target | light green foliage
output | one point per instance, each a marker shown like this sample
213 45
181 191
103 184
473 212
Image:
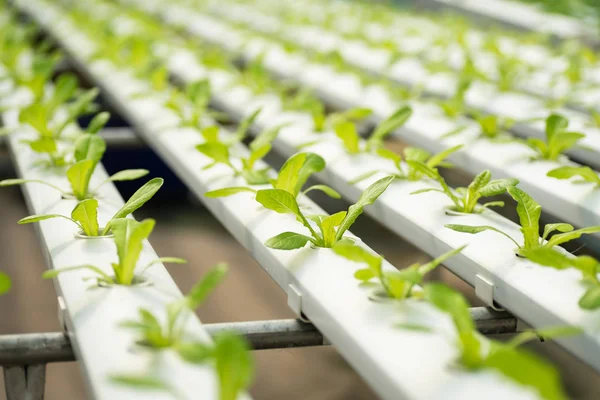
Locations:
466 199
521 366
586 174
455 106
558 139
129 236
331 228
529 216
407 170
397 285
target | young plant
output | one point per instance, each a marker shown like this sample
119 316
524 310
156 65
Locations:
129 236
588 266
558 139
466 199
586 174
331 228
230 353
478 353
456 106
529 215
347 132
293 175
406 171
218 151
85 214
397 285
191 105
89 149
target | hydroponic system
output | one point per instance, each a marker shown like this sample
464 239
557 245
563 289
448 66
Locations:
506 92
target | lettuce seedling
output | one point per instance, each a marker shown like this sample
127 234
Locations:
230 353
477 353
89 149
529 215
293 175
466 199
406 171
219 151
331 228
129 236
85 214
588 266
455 106
191 105
586 174
347 132
558 139
397 285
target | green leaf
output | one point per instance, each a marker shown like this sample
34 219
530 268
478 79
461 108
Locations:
129 236
438 158
43 145
346 131
5 283
278 200
266 137
555 124
64 88
364 275
128 175
529 215
14 182
205 286
389 155
234 365
561 143
393 122
497 187
98 122
544 334
215 150
561 227
288 241
568 236
591 299
79 175
478 229
328 227
195 352
37 218
568 172
356 253
244 125
211 133
53 273
89 147
357 113
86 213
138 199
475 186
228 191
528 370
431 265
36 116
548 257
139 382
452 302
257 154
416 154
366 198
313 163
325 189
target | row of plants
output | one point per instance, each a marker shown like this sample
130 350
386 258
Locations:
326 229
488 63
72 154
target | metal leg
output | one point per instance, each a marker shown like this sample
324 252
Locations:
25 382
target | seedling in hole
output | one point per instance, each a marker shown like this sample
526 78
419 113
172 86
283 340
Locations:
406 171
191 105
465 199
219 151
89 149
558 139
85 214
455 106
292 177
478 353
129 236
351 140
398 285
588 266
586 174
529 215
331 228
230 353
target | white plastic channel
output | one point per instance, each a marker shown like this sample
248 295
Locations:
411 72
93 314
575 203
392 360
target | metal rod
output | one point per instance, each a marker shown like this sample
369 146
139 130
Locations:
38 348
